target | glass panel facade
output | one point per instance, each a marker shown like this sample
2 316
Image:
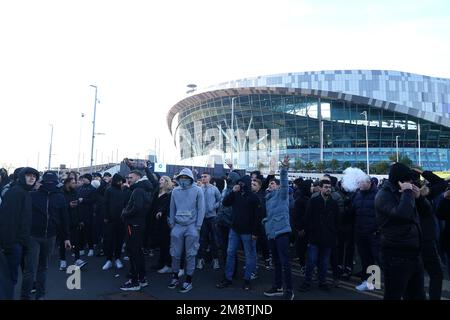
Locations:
298 120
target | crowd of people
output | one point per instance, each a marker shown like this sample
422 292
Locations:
401 224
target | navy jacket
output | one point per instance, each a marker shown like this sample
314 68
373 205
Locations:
363 208
49 213
86 207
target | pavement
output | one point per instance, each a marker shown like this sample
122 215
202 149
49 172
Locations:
97 284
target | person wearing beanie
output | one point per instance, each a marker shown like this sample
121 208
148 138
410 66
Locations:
86 201
49 218
401 236
15 224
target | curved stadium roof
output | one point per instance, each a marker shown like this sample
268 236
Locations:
413 94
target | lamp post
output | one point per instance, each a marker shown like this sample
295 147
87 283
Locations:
367 141
79 142
396 145
418 140
50 152
232 129
93 128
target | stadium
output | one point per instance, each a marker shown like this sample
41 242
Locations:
318 116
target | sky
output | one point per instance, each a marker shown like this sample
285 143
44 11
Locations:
142 54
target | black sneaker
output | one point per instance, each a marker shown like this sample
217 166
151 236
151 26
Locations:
224 284
274 292
288 295
130 286
304 287
247 286
173 283
336 283
324 286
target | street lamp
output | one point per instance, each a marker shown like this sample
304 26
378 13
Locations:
93 128
367 141
50 152
232 129
79 141
396 145
418 140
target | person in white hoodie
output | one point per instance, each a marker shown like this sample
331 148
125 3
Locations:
187 211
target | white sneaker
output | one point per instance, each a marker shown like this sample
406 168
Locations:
107 265
80 263
91 253
126 258
200 264
118 264
81 252
216 265
180 273
165 269
365 286
62 265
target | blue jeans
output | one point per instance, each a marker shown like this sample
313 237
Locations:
36 265
280 254
249 251
11 264
317 256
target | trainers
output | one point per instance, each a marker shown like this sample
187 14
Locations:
288 295
254 276
336 283
80 263
130 286
302 271
100 254
247 286
62 265
81 252
186 287
91 253
165 269
224 284
150 253
274 292
365 286
126 258
118 264
180 273
200 264
268 264
324 286
143 282
304 287
107 265
173 283
216 265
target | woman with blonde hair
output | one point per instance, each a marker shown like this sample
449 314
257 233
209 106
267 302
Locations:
161 230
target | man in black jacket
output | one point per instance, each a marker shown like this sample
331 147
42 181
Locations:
114 228
366 229
401 236
321 230
86 201
245 224
133 216
49 218
15 223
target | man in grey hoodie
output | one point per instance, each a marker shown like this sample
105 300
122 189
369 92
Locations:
208 233
187 210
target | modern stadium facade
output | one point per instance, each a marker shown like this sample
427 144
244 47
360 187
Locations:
318 116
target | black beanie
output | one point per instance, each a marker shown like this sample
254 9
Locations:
399 172
87 176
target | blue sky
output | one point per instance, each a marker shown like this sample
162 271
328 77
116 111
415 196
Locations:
142 54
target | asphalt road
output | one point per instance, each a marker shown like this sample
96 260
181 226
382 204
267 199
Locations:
104 285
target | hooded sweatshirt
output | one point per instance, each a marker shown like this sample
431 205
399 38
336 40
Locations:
140 203
246 209
225 214
15 212
187 205
212 200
